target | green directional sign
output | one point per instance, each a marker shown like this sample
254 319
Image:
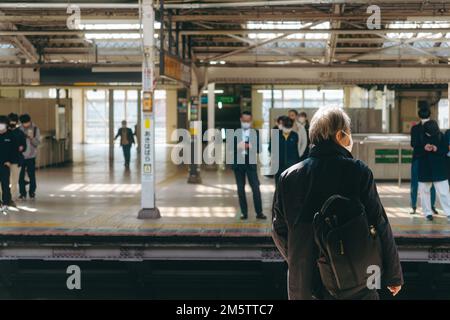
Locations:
390 156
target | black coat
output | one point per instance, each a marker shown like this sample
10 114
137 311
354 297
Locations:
287 152
433 165
6 147
417 139
19 140
302 190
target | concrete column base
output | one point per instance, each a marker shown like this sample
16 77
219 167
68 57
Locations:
196 179
149 214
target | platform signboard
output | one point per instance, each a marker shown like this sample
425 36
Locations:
174 68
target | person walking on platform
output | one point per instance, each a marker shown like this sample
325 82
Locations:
33 137
6 157
417 143
300 130
287 146
433 169
305 189
246 147
126 142
20 145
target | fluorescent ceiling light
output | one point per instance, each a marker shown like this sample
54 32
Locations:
215 91
429 18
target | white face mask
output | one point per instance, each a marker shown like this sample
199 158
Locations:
350 146
3 127
245 125
287 130
302 120
280 127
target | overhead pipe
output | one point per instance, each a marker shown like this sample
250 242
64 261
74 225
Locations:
236 31
198 5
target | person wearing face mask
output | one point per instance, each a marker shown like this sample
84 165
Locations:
126 142
302 191
287 146
246 148
302 120
278 126
432 169
300 130
417 143
33 136
20 145
6 156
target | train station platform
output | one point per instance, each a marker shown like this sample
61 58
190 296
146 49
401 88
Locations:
91 201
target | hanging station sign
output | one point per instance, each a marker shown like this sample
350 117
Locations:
174 68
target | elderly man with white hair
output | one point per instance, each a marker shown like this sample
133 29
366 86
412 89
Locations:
302 191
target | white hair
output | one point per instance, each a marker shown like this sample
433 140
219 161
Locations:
326 122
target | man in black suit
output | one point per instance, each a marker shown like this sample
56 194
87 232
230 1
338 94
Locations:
126 142
246 146
417 143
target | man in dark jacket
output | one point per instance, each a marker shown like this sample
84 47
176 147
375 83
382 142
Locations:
447 138
432 169
303 189
246 146
6 156
126 141
287 146
417 143
20 145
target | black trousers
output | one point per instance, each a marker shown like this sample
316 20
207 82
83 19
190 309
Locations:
4 181
28 166
127 153
240 172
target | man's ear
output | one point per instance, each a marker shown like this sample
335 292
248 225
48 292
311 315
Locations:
338 137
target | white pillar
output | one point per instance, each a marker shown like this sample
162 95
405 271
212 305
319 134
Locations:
111 125
195 127
148 206
211 109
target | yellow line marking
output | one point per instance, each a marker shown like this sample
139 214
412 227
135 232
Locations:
29 224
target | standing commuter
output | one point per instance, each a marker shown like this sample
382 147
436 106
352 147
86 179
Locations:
20 145
303 120
6 155
302 191
246 145
300 130
417 143
447 138
126 142
287 146
33 137
433 169
278 126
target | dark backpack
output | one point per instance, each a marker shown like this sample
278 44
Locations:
347 246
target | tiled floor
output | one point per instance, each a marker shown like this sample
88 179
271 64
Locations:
93 197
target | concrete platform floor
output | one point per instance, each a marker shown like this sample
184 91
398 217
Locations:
92 197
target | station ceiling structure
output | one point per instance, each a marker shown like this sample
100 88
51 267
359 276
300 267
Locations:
239 41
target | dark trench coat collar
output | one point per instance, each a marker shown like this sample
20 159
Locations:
329 148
